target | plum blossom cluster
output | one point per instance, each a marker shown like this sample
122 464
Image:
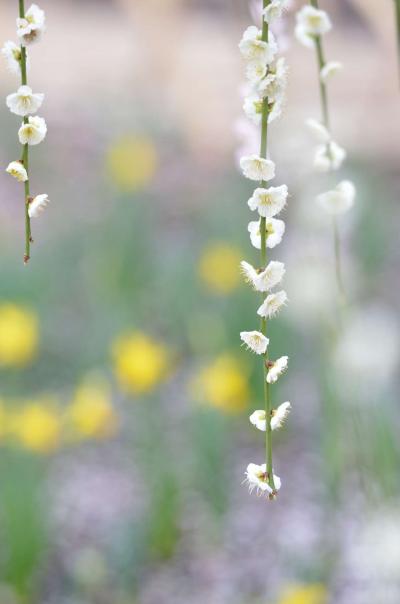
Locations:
25 103
312 24
266 75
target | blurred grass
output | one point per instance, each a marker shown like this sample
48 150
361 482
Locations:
22 519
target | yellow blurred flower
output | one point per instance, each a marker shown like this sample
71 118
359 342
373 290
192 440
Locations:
132 163
37 426
140 363
91 414
223 384
19 335
305 594
219 268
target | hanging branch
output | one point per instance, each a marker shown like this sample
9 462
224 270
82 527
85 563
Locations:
25 103
267 77
312 25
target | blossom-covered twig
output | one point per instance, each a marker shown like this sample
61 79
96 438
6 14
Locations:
312 24
266 76
30 27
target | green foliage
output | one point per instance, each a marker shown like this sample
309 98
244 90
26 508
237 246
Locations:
212 455
23 530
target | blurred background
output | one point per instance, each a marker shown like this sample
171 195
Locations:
124 393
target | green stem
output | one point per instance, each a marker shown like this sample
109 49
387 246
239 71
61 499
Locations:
322 85
28 235
321 65
25 153
267 395
338 269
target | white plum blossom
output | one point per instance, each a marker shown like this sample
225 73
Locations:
255 341
329 70
37 205
303 37
275 110
268 202
319 131
279 415
340 199
250 274
270 276
24 101
315 21
252 108
258 420
256 71
263 280
272 304
253 105
257 478
257 168
329 157
17 170
274 10
31 28
311 22
12 54
274 231
33 132
273 86
253 48
276 368
279 69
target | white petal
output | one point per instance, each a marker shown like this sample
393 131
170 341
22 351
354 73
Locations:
329 157
256 477
37 205
17 170
272 304
340 199
279 415
329 70
257 419
276 370
33 132
271 276
320 132
274 229
255 341
269 202
315 22
24 101
257 168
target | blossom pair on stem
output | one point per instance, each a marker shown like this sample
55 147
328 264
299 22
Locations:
26 103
